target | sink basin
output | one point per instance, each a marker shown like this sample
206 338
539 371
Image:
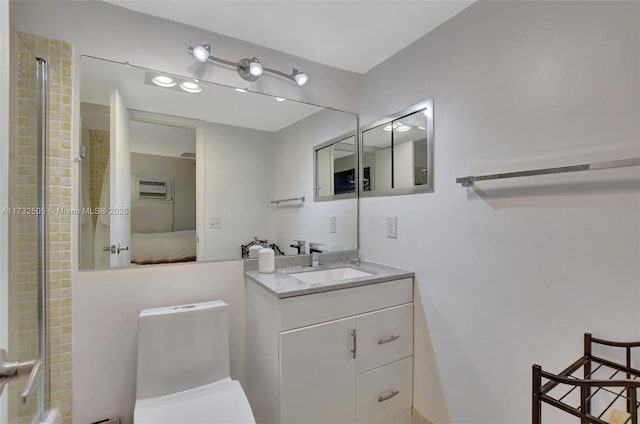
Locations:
329 275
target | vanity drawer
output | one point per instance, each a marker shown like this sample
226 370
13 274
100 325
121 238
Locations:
301 311
384 336
384 392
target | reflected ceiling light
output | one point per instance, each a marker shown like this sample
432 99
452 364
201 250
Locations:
241 90
280 99
397 126
390 127
191 87
163 81
248 69
422 128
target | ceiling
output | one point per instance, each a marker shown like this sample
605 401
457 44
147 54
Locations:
351 35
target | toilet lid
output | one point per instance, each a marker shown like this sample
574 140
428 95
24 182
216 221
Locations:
219 402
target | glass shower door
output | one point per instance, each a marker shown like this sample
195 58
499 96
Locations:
22 374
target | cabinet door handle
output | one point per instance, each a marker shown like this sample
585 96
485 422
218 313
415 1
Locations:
355 343
393 394
389 340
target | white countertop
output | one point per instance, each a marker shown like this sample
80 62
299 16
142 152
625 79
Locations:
281 284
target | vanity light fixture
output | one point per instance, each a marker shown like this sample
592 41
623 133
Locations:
248 69
300 77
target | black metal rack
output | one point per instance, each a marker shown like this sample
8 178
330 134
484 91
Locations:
244 248
592 388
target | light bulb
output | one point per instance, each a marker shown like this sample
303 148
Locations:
190 87
201 52
255 67
300 77
163 81
390 127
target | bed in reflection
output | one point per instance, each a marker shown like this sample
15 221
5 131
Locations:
153 240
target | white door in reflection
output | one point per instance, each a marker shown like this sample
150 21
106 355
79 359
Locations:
113 225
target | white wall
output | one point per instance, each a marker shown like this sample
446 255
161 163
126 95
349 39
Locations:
183 173
293 177
382 168
163 140
238 174
105 309
514 273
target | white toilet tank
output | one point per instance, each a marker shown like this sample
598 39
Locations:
182 347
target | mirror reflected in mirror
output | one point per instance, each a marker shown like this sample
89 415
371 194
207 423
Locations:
176 170
335 163
397 153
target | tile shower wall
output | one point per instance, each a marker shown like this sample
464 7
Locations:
58 56
98 155
23 332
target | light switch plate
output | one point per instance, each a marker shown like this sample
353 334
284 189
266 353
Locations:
215 222
332 224
392 227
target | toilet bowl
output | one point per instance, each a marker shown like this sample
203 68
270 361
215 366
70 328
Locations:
183 373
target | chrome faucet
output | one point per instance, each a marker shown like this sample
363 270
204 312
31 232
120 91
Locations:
314 249
299 246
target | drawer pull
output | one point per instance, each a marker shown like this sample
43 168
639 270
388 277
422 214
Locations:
355 343
389 340
393 394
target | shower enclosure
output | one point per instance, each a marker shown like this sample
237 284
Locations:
23 353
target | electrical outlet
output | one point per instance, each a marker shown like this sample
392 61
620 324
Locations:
215 222
332 224
392 227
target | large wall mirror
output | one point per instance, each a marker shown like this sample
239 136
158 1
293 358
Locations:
396 153
175 170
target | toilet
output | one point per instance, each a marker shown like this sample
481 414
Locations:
183 373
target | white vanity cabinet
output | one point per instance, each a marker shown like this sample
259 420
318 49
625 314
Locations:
341 356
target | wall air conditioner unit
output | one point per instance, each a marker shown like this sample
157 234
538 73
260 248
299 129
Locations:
158 188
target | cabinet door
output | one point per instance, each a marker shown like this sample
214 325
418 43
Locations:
318 374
